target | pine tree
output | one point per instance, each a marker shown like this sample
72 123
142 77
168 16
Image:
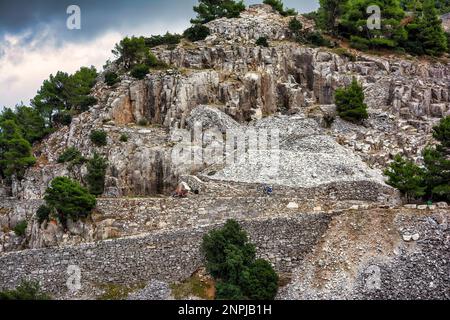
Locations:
69 199
353 23
15 151
437 162
350 103
407 177
432 35
95 177
208 10
329 13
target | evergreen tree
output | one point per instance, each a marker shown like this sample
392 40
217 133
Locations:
53 96
279 6
437 176
230 259
131 51
329 13
68 199
407 177
64 93
208 10
30 122
441 133
95 177
437 162
353 23
15 151
431 34
350 103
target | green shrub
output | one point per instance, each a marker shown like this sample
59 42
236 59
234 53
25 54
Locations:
69 155
433 180
230 259
437 175
68 199
99 138
197 32
21 228
167 39
143 122
406 177
124 138
441 133
359 43
63 118
350 103
111 78
25 291
279 6
95 177
316 39
140 71
344 53
262 42
295 26
43 214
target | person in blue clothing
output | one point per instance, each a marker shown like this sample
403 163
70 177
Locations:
267 190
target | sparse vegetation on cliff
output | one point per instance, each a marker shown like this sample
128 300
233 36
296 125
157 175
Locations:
111 78
99 138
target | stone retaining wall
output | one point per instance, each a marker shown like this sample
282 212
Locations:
169 256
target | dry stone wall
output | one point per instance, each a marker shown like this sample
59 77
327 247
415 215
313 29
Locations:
168 256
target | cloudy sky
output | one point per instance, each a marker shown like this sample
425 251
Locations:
35 42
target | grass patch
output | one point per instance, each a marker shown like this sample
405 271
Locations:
113 291
194 286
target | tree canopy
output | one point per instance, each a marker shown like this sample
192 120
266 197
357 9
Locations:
208 10
15 151
68 199
350 103
231 261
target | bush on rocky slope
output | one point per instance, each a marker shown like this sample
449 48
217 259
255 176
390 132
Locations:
99 138
197 32
166 39
111 78
431 182
95 177
68 199
350 103
231 260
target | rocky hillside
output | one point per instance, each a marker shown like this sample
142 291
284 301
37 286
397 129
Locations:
333 212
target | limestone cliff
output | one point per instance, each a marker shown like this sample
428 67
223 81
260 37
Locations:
326 172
